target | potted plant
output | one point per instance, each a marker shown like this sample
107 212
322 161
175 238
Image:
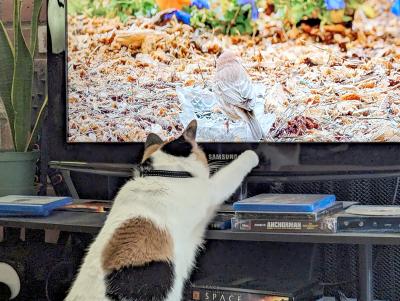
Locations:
17 162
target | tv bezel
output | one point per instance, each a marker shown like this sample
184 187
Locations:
312 153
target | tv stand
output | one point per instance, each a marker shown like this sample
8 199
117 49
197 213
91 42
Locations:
91 223
286 175
297 173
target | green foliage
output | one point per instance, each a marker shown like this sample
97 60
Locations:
19 59
121 8
233 19
21 92
228 17
125 8
294 11
6 72
87 7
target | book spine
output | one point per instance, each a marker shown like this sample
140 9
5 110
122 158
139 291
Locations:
277 216
210 294
325 225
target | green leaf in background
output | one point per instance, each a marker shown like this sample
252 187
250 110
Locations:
37 124
6 73
112 8
37 5
22 84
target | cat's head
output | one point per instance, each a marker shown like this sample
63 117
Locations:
181 154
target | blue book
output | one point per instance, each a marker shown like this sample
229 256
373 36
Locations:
21 205
285 203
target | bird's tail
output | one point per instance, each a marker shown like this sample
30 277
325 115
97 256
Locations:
255 126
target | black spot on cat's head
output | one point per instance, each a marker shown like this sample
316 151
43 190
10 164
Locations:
178 148
183 146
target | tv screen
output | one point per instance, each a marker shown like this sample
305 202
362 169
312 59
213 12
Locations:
247 71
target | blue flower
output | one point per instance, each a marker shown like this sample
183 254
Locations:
334 4
201 4
396 7
181 16
254 9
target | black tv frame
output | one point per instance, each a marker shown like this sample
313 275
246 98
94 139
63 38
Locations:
273 156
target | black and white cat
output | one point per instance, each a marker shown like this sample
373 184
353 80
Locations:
147 246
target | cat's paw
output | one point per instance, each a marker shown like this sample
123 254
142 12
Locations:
251 157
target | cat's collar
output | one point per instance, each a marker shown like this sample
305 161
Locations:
143 172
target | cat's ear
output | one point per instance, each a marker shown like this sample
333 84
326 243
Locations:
152 139
190 131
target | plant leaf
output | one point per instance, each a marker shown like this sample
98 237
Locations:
37 123
37 5
6 139
21 93
6 73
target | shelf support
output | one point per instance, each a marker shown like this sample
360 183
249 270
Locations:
365 272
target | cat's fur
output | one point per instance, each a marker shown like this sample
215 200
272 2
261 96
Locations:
147 246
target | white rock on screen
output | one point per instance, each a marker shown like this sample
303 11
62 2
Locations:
201 104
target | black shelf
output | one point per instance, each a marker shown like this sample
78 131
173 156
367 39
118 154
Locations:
69 221
88 222
328 238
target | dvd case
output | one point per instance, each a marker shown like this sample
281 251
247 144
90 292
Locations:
308 216
211 294
248 289
324 225
31 205
221 221
285 203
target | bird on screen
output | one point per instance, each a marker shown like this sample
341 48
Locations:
236 93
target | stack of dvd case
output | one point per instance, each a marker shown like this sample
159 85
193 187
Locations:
249 289
312 213
21 205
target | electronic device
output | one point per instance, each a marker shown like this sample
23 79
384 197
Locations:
369 219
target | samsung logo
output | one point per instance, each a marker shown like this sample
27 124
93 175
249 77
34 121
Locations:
212 157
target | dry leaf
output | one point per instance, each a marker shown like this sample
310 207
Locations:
131 79
350 96
336 28
368 85
189 82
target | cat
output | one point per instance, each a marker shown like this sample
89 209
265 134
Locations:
147 247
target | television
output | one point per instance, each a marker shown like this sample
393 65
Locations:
98 90
132 71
